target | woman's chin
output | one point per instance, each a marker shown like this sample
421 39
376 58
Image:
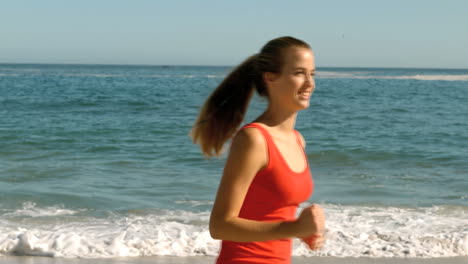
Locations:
303 105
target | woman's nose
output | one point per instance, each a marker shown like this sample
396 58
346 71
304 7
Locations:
310 80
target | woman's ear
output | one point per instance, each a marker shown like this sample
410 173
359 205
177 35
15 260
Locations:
269 77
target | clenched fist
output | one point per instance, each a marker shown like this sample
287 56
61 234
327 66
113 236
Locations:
311 226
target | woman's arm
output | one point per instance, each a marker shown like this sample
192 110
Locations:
247 156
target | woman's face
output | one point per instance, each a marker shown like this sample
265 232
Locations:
292 88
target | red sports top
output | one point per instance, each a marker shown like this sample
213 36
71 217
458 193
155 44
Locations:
273 195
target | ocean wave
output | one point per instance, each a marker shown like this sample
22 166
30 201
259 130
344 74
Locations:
20 69
195 203
93 75
8 74
336 75
101 75
30 209
438 231
432 77
363 75
175 233
351 231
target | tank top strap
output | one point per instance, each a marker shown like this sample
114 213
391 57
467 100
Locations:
298 138
273 153
264 132
268 138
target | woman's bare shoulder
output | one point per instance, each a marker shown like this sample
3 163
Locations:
249 137
249 143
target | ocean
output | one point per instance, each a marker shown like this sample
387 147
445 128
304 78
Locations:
96 161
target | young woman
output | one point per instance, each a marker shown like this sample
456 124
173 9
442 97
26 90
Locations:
266 174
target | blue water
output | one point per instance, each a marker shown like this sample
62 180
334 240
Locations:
113 140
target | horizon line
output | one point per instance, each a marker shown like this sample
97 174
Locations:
199 65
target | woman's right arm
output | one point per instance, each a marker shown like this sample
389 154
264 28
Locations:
248 155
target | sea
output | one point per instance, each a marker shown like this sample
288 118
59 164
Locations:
96 161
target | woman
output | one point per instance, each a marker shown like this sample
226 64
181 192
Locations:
266 174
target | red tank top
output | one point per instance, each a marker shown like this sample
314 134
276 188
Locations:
273 195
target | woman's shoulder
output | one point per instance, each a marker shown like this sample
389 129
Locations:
249 136
248 148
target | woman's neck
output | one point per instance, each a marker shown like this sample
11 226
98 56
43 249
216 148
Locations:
280 120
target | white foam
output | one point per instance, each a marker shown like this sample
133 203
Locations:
19 69
8 74
175 233
431 77
194 203
144 76
351 231
30 209
393 232
93 75
365 75
335 75
158 76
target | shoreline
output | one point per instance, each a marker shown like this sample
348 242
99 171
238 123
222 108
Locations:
211 259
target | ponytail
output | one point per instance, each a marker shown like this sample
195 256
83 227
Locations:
224 111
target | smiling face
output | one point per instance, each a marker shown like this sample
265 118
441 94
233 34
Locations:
292 88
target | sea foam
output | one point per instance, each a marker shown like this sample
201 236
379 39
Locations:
364 75
439 231
30 209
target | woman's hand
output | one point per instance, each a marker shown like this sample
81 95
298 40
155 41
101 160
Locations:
311 226
315 241
311 221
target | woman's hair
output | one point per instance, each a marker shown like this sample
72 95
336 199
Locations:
223 112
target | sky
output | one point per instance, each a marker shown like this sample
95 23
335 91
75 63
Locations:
359 33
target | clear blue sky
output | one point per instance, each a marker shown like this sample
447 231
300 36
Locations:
359 33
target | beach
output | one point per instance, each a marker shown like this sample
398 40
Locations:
96 164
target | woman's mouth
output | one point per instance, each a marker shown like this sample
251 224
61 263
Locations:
304 94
